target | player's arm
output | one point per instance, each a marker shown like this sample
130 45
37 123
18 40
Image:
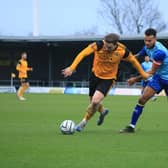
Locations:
138 78
158 58
131 58
141 53
85 52
29 69
134 79
18 66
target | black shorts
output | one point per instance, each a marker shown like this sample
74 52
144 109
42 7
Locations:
24 80
102 85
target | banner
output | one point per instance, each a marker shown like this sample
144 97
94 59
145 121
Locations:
7 89
75 90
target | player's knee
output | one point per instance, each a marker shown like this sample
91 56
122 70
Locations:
143 99
95 102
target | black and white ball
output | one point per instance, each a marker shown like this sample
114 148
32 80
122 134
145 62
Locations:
67 127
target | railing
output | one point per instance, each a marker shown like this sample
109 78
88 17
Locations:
43 83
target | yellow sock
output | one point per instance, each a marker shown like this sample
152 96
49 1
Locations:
20 91
89 112
24 88
100 108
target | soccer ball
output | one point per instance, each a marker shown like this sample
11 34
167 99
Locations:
67 127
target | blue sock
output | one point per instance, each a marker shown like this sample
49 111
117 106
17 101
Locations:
136 114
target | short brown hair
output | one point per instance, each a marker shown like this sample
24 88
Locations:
24 52
112 38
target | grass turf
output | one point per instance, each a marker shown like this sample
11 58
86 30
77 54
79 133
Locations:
30 135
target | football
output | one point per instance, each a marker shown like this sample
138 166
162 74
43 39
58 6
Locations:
67 127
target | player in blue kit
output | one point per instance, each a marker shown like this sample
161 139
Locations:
159 55
146 66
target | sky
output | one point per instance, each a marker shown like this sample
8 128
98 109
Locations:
55 17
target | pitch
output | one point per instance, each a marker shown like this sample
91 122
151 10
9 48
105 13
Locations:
29 134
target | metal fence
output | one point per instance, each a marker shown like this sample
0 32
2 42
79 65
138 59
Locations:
51 83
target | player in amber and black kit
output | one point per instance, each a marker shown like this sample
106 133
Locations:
22 68
107 55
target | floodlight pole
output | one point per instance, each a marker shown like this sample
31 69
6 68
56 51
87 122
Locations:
35 18
11 88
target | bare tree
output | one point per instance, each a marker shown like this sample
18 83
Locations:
132 16
112 13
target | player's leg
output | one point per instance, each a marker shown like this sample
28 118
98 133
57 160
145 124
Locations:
143 84
98 88
154 86
103 112
21 90
25 86
92 88
104 87
154 98
147 94
93 83
166 90
92 108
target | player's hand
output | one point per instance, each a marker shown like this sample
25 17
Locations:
29 69
67 72
146 75
13 75
131 81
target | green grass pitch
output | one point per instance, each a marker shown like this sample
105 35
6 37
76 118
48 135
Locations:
30 135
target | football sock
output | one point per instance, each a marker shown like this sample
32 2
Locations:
89 112
83 123
100 108
20 91
24 88
136 114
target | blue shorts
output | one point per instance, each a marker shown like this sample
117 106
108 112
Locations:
158 84
144 83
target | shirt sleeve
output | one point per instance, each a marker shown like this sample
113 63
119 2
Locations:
137 65
18 66
142 52
127 52
84 53
159 56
